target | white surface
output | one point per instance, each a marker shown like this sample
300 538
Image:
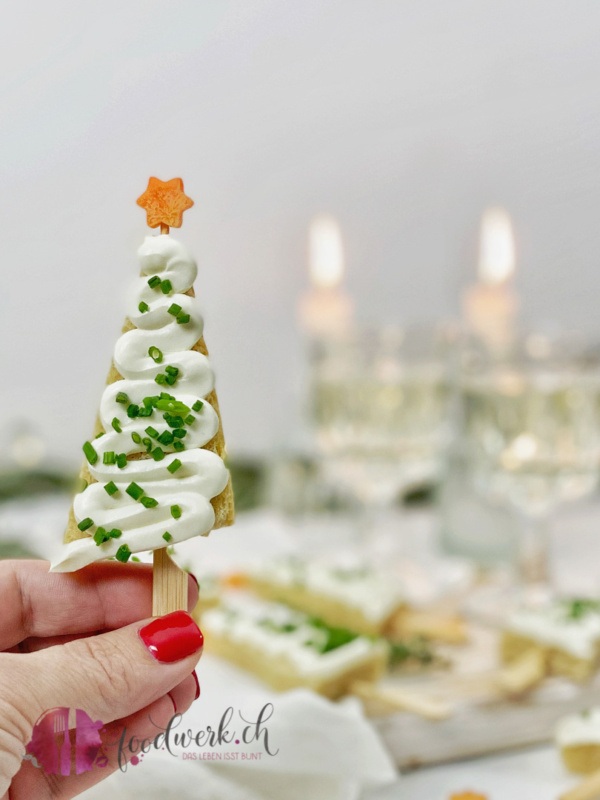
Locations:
404 119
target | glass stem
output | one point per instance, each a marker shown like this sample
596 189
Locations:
533 558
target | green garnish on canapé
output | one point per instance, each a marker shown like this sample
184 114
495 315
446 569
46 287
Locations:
123 554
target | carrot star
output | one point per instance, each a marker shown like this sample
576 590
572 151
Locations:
164 202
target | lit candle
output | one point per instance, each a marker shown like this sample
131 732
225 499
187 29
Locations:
490 307
326 310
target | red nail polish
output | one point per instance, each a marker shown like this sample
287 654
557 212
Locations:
172 637
197 685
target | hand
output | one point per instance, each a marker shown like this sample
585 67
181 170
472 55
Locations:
75 640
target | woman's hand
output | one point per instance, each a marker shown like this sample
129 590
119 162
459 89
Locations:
76 640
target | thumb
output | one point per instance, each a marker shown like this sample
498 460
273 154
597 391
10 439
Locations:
109 676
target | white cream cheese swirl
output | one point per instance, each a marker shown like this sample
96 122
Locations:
202 474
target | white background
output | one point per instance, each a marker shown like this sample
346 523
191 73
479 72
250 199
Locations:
404 119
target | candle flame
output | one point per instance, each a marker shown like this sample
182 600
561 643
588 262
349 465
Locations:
326 256
496 246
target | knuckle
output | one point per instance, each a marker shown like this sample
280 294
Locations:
106 666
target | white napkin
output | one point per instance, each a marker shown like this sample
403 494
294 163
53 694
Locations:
326 751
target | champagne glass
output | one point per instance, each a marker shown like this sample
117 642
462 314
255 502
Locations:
532 426
379 406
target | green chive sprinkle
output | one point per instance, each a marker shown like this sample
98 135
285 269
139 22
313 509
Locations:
116 425
115 533
166 286
152 432
85 524
121 461
109 457
135 491
174 466
154 281
155 354
122 398
147 443
145 411
177 445
172 406
166 438
182 319
143 307
136 437
98 435
197 405
123 554
133 410
180 433
111 488
175 512
171 380
161 379
190 419
136 559
158 454
173 422
167 536
90 453
100 536
149 502
174 309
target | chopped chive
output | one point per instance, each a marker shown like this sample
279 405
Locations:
177 445
161 379
150 402
166 396
116 425
136 559
145 411
135 491
121 461
115 533
172 406
167 536
109 457
133 410
154 281
174 309
175 512
174 466
173 422
98 435
182 319
111 488
190 419
180 433
123 554
197 405
90 453
122 398
152 432
143 307
171 380
166 286
147 443
158 454
85 524
166 438
136 437
155 354
149 502
100 536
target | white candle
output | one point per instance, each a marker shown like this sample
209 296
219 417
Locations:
490 307
326 310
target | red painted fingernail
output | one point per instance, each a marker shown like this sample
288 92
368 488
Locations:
172 637
197 685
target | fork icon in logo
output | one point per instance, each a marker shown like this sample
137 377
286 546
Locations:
51 746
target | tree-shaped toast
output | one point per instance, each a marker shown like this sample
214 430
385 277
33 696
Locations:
154 473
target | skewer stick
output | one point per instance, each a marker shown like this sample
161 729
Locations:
164 203
589 789
402 700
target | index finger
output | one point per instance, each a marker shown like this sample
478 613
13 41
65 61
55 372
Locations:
103 596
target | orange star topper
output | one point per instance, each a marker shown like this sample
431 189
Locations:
164 202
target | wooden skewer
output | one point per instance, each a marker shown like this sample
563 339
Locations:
169 585
402 700
589 789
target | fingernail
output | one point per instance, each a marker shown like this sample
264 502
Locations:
195 579
172 637
197 685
